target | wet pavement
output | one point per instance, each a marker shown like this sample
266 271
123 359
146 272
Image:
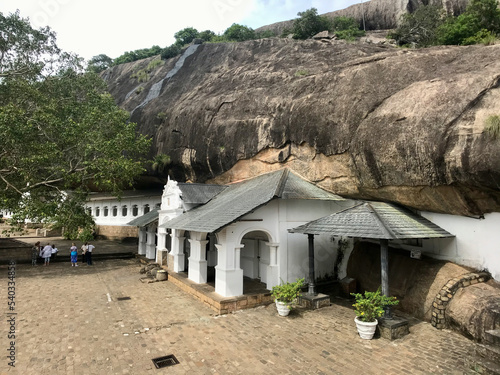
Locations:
103 319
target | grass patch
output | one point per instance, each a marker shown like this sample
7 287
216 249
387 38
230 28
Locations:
301 73
492 126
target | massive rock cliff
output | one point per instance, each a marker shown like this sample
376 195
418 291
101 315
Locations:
361 120
379 14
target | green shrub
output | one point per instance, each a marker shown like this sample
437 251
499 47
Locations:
483 36
301 73
170 51
153 64
467 27
207 35
186 36
239 33
309 24
419 28
346 28
370 306
492 126
287 292
86 234
162 116
141 75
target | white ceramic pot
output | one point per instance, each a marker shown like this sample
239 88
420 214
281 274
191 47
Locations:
366 330
282 307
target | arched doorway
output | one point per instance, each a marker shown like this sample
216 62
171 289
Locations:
255 255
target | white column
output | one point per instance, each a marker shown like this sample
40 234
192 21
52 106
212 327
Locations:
142 240
228 278
150 244
178 250
197 271
160 247
272 269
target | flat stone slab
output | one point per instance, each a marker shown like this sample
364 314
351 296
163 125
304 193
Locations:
314 302
394 328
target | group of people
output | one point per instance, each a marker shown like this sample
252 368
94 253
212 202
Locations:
86 254
50 251
43 252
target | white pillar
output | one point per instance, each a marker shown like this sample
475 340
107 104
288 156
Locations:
160 247
272 269
178 250
150 243
228 277
197 271
142 240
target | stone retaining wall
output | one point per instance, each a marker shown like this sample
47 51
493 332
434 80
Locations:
117 232
447 292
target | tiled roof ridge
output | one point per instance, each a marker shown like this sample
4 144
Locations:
381 222
282 183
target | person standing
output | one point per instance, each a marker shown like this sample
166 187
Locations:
84 250
88 254
54 252
46 254
74 255
35 250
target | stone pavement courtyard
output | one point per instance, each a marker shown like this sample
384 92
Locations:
72 321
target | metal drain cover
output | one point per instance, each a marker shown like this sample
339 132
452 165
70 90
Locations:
168 360
123 298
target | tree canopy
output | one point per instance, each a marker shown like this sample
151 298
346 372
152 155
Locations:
61 130
186 36
309 24
99 63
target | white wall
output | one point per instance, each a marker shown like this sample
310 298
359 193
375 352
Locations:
477 241
119 219
295 263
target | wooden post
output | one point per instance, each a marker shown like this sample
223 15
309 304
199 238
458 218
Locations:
312 289
384 271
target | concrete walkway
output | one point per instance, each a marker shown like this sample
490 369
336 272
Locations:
71 321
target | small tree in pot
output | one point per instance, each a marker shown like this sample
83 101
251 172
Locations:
285 294
368 308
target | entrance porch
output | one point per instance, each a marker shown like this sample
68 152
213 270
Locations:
254 293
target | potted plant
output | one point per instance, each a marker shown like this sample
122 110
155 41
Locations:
285 294
370 306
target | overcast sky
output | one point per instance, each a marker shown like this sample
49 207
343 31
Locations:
92 27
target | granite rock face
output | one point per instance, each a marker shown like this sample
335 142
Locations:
361 120
379 14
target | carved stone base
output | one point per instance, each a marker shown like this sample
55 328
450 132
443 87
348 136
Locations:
314 302
394 328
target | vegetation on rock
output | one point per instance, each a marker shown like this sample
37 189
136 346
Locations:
309 24
428 25
492 126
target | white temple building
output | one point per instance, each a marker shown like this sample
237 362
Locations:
240 230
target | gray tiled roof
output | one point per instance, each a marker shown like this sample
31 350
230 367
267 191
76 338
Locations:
374 220
145 219
241 198
199 193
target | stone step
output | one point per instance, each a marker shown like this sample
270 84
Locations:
493 337
487 360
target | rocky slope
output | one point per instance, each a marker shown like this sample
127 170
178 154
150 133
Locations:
364 121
